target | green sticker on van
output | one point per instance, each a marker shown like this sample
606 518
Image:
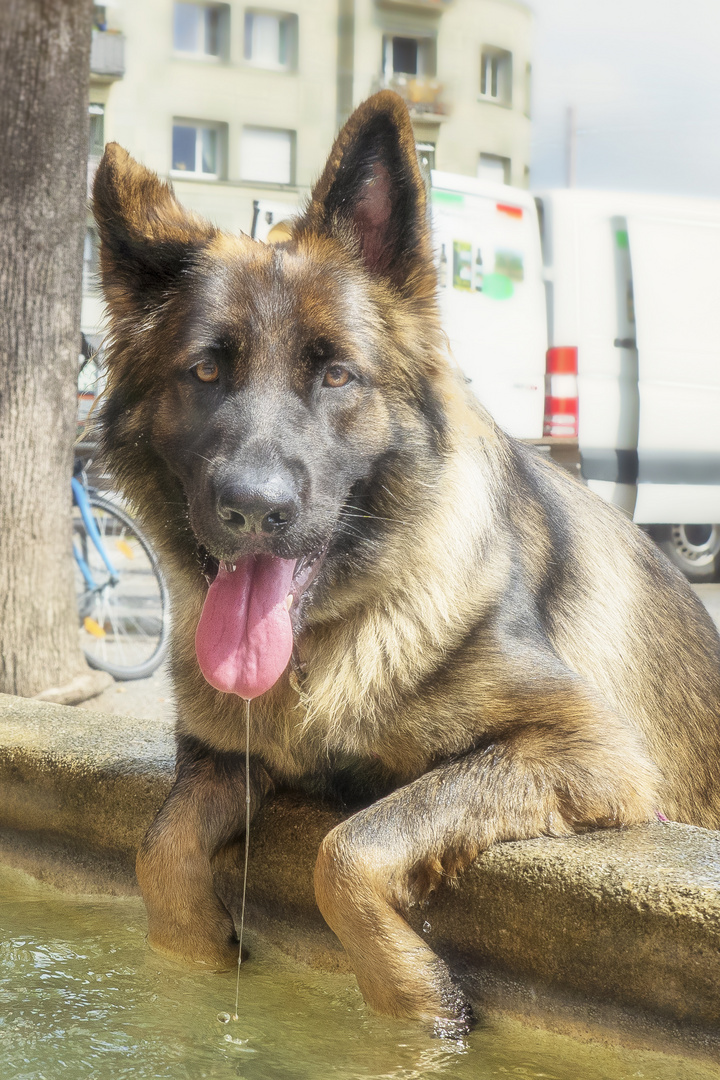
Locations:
510 264
448 197
462 264
498 286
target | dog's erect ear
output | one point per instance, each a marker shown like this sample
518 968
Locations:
372 186
147 238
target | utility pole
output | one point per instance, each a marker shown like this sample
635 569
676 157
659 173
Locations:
570 147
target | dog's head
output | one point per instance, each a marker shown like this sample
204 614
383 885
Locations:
271 392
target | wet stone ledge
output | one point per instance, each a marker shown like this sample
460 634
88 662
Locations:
618 928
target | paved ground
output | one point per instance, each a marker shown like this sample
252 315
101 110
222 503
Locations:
148 699
152 699
710 596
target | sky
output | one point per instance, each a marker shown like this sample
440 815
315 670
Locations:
643 77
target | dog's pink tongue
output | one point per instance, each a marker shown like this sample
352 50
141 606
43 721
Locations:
244 638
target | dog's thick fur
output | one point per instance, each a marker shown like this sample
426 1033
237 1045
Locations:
488 652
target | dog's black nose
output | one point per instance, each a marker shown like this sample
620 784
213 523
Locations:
258 506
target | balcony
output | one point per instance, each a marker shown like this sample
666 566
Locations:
107 55
416 5
421 94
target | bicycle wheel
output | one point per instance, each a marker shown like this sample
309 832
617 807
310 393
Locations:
123 617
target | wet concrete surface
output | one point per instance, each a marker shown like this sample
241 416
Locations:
622 918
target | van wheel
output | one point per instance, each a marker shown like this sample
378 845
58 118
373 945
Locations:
695 549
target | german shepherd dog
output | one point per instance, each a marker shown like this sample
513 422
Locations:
433 621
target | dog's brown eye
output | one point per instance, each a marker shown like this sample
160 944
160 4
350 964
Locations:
336 376
207 370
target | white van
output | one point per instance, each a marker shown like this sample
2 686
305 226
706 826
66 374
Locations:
588 323
487 245
633 285
492 296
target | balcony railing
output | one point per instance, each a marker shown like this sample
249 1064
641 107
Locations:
423 5
107 54
421 94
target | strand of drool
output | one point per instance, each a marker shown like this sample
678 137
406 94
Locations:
247 850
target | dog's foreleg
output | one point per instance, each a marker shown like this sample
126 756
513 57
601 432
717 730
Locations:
549 775
204 810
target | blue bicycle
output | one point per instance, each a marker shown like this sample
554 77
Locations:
121 594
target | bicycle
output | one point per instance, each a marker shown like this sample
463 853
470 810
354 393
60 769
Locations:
122 597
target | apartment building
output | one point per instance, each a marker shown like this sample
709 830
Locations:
239 101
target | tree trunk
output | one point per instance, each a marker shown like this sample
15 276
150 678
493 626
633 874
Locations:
44 72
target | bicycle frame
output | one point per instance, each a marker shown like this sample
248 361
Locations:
81 501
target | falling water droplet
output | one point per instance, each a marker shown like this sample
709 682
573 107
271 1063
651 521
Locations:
426 927
224 1018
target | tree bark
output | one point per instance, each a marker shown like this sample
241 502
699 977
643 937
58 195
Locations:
44 72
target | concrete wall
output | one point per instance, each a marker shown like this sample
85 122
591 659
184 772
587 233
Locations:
471 126
476 126
160 84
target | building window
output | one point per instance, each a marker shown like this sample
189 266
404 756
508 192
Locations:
495 168
496 76
405 55
198 149
97 130
267 155
415 56
99 17
271 40
201 30
96 142
91 261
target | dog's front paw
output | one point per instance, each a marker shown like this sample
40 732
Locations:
210 945
187 921
457 1018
